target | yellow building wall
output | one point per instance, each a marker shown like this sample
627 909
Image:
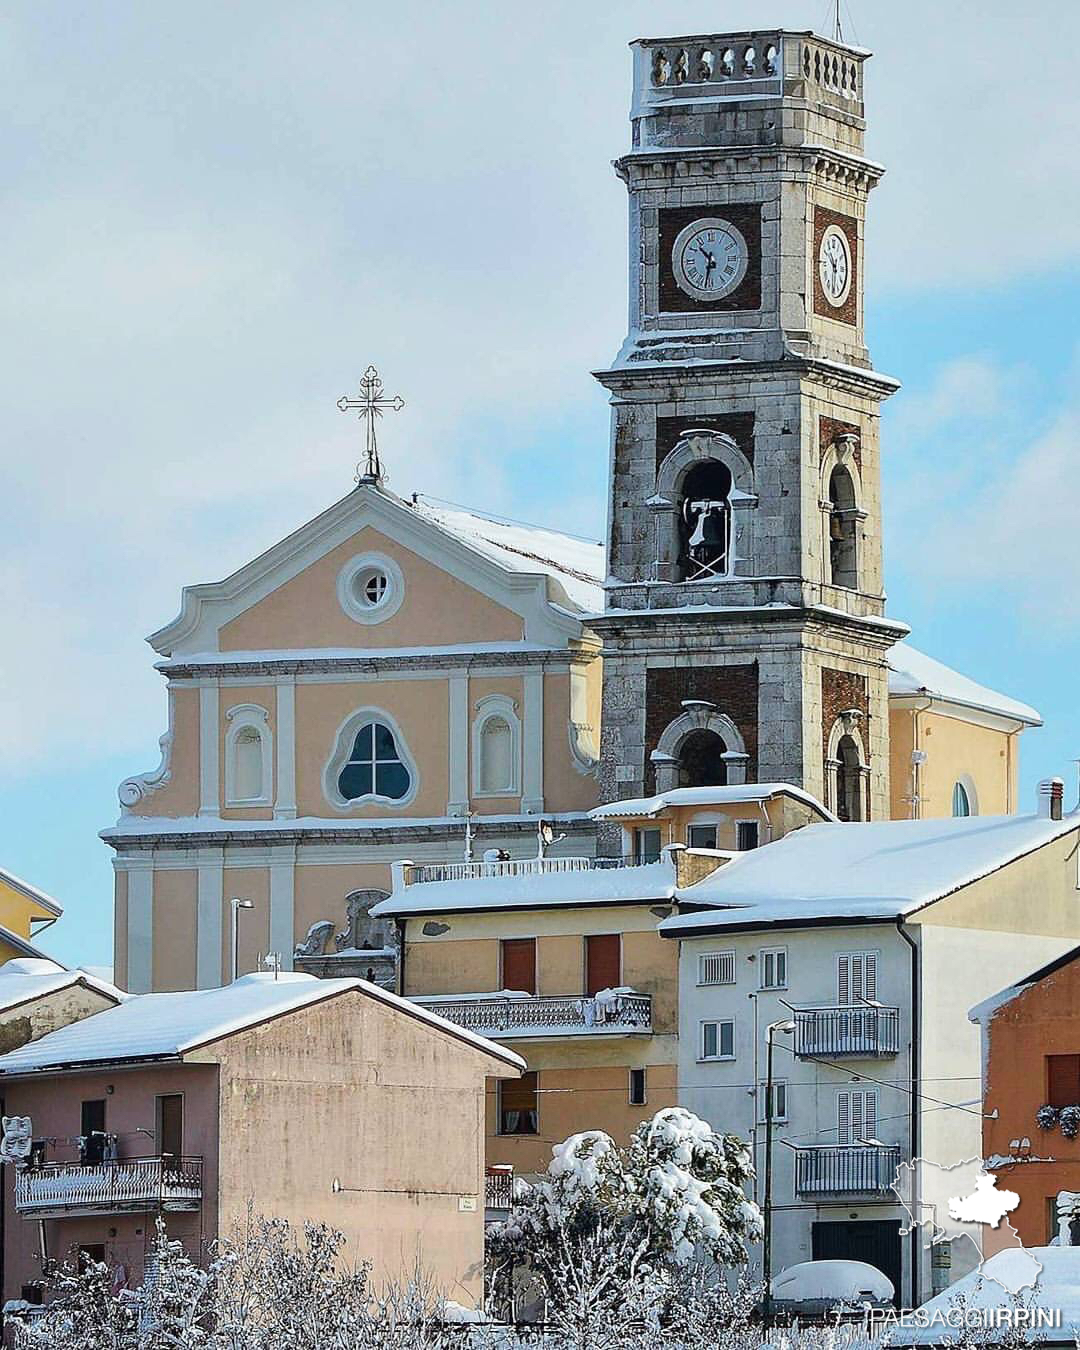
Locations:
437 609
983 758
19 911
174 908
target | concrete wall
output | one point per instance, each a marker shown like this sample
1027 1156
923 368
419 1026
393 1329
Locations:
37 1017
1042 1020
391 1107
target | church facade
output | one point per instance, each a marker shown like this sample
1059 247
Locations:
403 680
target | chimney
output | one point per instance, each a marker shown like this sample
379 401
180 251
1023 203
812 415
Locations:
1051 793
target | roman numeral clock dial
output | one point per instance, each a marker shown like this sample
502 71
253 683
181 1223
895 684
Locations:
834 265
709 259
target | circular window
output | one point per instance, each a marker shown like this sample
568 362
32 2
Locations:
370 588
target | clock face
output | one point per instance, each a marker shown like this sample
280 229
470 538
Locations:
709 259
834 265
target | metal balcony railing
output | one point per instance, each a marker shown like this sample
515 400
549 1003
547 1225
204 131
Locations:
544 1015
846 1169
417 873
857 1030
498 1187
130 1184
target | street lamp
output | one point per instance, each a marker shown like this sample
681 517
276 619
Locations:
237 906
785 1026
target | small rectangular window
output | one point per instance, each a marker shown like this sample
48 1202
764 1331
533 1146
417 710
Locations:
746 834
773 968
716 968
701 836
779 1101
647 845
1063 1080
518 1112
637 1087
718 1040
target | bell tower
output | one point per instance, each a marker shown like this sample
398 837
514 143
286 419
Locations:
744 633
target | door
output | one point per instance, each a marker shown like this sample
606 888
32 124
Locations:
170 1125
93 1130
519 964
875 1241
603 962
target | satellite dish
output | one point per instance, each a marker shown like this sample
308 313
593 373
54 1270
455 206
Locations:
547 834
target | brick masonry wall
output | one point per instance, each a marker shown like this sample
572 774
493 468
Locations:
747 219
848 312
840 690
739 426
828 430
733 689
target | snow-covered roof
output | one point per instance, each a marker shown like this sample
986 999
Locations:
985 1290
166 1026
913 672
706 796
31 891
879 870
26 978
577 564
598 885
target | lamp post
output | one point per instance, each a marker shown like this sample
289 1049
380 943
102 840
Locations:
237 905
766 1246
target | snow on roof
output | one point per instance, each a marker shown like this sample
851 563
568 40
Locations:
706 796
879 870
154 825
913 672
165 1026
598 885
1056 1289
31 892
27 977
577 564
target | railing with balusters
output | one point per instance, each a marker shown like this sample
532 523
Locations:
846 1170
418 873
537 1015
132 1183
868 1032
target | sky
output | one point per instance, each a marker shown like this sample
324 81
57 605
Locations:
215 217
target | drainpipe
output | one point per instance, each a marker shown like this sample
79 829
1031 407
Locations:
914 1121
917 759
399 924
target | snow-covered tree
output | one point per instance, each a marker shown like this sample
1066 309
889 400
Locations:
607 1220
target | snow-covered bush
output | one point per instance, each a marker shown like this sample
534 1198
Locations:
1069 1119
1046 1117
609 1228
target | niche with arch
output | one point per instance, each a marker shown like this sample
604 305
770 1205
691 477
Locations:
496 746
248 756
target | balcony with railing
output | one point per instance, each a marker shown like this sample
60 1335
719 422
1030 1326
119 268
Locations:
415 874
517 1017
129 1185
855 1169
859 1032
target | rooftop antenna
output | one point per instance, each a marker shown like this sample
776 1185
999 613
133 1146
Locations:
838 26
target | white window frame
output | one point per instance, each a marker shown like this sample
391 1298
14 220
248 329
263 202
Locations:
248 717
717 1022
778 1116
719 955
343 744
638 853
870 961
360 611
501 706
755 825
774 952
703 825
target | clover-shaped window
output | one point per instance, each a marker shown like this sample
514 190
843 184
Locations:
371 763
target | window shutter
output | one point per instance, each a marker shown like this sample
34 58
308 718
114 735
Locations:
870 1113
870 967
1063 1080
843 979
843 1118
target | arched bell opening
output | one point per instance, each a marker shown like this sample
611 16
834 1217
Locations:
705 521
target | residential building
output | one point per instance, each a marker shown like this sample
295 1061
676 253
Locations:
321 1100
25 911
1031 1062
862 947
38 996
398 666
559 958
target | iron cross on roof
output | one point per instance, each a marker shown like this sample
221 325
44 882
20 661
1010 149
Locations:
370 405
